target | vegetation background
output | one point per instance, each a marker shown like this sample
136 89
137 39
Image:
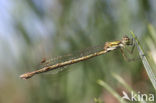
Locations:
34 29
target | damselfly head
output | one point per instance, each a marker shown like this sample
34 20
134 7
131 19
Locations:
126 40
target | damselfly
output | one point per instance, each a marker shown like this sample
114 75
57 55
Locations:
108 46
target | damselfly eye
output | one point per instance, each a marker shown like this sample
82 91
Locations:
126 40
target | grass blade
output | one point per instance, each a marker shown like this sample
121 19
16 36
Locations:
105 85
121 80
145 62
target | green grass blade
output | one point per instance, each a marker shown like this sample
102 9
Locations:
145 62
113 92
121 80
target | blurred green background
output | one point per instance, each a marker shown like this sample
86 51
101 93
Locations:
34 29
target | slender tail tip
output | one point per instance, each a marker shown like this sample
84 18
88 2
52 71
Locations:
26 75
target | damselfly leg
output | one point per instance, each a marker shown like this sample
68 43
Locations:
126 58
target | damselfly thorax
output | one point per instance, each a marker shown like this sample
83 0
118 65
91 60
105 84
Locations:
109 46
